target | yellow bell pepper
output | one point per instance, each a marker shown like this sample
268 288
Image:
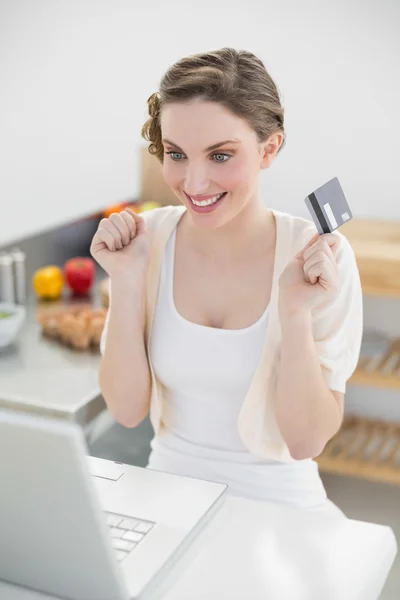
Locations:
48 282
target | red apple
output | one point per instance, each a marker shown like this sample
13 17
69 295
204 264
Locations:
80 273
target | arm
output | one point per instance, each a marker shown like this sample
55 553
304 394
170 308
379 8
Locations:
125 379
121 246
320 311
308 412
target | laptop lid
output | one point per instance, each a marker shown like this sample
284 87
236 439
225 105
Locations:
54 535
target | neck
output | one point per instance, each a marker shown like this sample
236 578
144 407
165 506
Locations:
251 231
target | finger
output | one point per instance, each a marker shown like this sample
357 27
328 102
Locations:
107 238
314 272
140 222
110 227
314 266
330 240
325 274
320 245
319 266
333 240
130 221
119 222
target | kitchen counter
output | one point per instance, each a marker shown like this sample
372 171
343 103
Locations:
48 378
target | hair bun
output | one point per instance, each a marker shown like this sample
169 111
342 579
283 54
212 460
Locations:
154 105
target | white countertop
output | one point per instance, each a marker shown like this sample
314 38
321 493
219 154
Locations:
257 551
264 551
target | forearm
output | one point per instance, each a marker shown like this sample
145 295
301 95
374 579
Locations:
124 371
308 414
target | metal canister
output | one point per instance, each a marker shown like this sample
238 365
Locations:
6 278
19 274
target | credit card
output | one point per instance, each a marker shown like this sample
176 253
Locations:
328 206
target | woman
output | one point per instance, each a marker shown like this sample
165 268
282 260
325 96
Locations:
235 325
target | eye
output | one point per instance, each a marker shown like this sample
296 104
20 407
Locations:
222 155
173 152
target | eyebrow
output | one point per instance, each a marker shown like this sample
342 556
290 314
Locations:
213 147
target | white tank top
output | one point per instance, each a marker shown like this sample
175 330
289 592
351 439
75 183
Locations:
207 373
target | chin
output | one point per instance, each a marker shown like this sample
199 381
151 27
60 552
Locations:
211 221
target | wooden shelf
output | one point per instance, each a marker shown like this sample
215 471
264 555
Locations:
364 448
376 245
380 289
381 371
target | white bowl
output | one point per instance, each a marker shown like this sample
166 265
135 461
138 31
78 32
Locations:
10 326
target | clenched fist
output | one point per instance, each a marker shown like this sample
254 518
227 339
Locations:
121 243
311 275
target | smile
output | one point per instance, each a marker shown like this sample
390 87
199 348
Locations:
205 205
208 201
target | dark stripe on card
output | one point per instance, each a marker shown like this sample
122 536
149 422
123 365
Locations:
319 213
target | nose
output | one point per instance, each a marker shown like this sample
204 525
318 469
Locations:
196 180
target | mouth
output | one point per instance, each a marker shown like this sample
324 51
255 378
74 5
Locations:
207 205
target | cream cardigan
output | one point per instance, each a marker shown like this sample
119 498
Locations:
337 330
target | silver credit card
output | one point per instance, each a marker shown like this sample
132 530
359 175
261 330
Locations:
328 206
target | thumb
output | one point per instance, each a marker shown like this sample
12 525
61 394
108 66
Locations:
309 243
141 228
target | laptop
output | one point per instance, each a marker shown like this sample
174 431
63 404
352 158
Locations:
81 528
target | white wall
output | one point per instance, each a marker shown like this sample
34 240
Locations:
75 77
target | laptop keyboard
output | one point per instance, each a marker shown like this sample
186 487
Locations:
126 533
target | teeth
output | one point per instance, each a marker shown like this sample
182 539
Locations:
207 202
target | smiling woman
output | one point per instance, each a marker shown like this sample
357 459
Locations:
228 322
202 101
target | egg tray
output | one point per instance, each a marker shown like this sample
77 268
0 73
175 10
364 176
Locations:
77 327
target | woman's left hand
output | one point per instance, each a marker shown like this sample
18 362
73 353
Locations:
311 275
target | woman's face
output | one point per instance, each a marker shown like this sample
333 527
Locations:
212 160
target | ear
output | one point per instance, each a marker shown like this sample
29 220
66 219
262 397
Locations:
269 149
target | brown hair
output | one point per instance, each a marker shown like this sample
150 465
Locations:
237 79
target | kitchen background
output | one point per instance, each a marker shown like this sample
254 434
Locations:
75 80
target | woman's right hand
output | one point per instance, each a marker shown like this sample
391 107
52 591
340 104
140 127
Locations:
120 243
